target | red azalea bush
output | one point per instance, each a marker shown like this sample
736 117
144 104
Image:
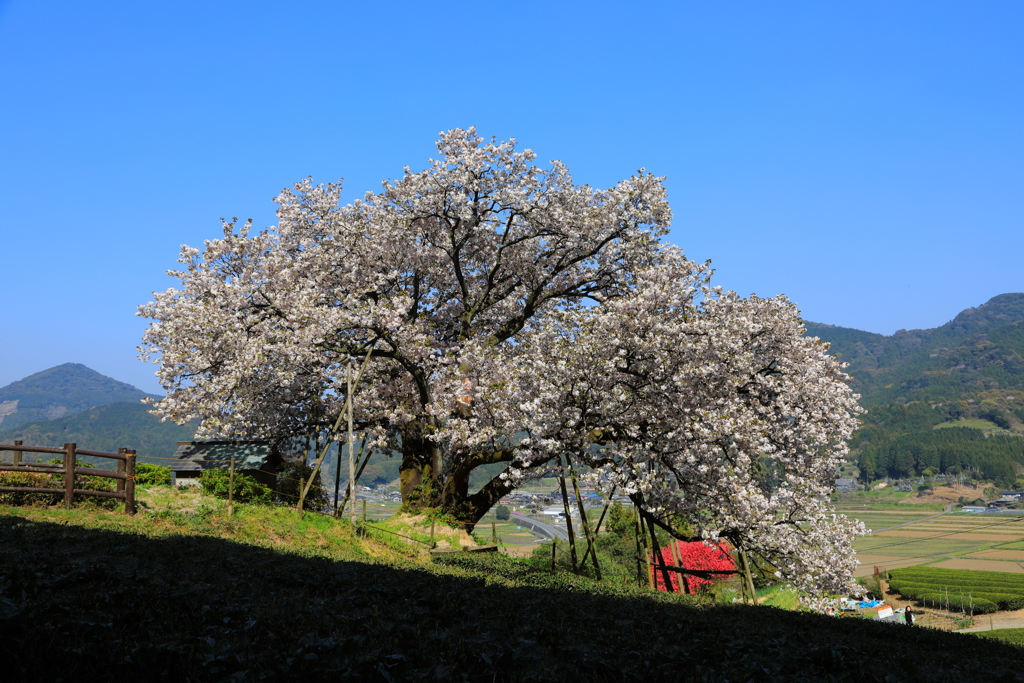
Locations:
694 555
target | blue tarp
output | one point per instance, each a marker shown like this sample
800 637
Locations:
871 603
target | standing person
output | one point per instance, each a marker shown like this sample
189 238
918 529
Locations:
908 615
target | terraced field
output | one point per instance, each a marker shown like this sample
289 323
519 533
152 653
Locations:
951 540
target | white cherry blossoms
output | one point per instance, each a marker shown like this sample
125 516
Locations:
513 316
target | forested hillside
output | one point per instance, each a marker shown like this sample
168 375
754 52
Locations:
107 428
60 391
968 374
982 348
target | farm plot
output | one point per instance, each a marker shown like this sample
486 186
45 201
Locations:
964 590
1000 554
881 521
951 540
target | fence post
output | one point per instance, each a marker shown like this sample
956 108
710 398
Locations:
494 533
69 473
231 489
431 534
121 470
129 484
17 454
364 511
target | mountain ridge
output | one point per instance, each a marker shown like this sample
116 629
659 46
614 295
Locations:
106 428
982 348
967 373
61 391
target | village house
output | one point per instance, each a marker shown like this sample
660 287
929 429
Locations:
257 458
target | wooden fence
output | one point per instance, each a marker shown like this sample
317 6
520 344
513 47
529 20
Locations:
124 475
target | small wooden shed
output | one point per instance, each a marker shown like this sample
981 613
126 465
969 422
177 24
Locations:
257 458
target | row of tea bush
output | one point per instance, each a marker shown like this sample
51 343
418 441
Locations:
965 590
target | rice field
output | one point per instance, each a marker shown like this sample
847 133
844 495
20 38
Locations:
949 540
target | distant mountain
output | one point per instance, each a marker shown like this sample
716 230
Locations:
980 349
968 374
61 391
107 428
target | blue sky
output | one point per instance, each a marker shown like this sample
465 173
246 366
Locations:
865 159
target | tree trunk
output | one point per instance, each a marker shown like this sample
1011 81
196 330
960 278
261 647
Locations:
420 469
477 505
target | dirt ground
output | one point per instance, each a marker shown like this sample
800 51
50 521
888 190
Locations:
983 565
946 494
999 555
989 622
520 550
868 562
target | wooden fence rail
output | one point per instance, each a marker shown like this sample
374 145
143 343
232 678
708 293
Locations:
124 476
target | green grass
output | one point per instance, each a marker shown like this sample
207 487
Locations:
879 522
970 423
934 586
183 592
1013 545
880 504
783 598
1013 636
924 547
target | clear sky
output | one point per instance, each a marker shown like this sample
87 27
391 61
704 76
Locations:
865 158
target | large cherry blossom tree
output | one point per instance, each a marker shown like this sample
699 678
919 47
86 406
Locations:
512 316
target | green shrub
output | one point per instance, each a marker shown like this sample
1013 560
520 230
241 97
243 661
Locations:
934 586
871 585
152 475
246 488
1006 597
967 579
503 512
620 520
290 477
28 480
87 483
958 603
1013 636
1006 601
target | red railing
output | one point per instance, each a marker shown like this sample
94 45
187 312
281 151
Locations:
124 475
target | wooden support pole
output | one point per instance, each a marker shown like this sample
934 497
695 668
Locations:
641 551
129 483
600 520
494 533
351 444
120 470
334 430
337 483
568 521
231 489
17 454
591 541
432 534
361 463
748 581
554 549
665 577
69 473
364 511
677 561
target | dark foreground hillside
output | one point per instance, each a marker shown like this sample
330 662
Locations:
80 603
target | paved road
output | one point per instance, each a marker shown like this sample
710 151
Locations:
540 528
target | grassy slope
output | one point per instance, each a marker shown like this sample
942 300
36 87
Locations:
181 592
